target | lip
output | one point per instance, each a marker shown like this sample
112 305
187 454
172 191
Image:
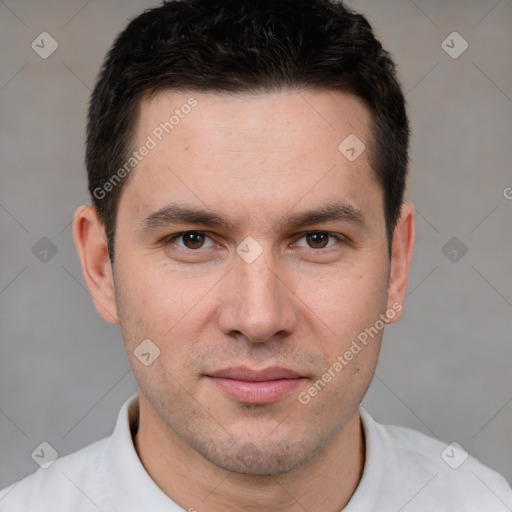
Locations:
249 375
249 386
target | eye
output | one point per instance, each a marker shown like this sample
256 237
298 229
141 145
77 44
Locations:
192 240
195 240
318 240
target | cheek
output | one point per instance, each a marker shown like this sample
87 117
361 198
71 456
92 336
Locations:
155 300
349 307
346 300
170 309
153 310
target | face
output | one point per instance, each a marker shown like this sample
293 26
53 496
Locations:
255 281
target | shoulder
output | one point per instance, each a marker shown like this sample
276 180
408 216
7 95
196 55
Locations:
443 475
66 484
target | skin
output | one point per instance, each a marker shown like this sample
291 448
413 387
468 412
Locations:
254 159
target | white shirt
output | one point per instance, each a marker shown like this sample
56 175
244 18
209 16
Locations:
404 471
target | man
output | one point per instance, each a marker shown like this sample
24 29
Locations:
247 162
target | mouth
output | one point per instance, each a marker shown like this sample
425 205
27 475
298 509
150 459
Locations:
248 386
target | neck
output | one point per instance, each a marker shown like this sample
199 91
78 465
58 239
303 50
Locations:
326 482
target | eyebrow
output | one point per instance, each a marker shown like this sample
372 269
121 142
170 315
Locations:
175 213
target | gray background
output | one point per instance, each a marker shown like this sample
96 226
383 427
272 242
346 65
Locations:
444 368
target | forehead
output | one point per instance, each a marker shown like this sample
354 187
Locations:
254 120
265 151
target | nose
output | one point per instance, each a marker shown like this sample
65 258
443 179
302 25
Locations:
257 301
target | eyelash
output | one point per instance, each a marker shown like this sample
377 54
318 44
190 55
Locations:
171 239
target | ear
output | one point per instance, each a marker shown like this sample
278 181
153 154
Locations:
91 244
401 258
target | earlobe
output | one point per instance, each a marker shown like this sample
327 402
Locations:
91 244
401 259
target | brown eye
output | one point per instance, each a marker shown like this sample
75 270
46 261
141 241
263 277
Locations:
193 239
317 239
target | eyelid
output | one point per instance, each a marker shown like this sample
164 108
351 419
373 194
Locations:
337 236
168 240
171 239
